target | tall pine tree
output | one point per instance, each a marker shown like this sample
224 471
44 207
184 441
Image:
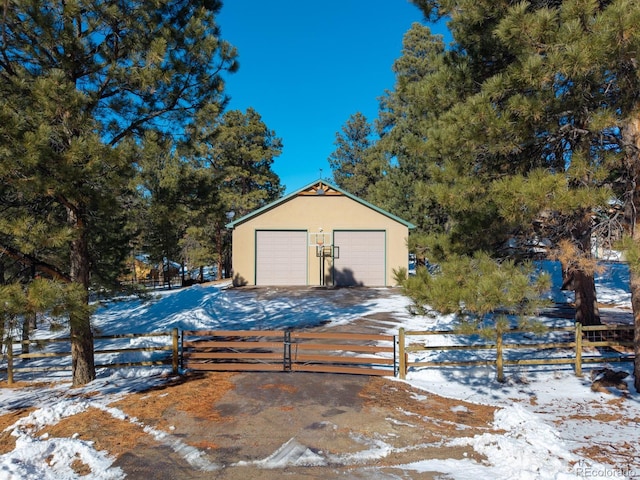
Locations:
355 164
237 152
527 147
81 81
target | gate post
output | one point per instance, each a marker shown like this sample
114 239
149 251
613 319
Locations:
402 359
286 359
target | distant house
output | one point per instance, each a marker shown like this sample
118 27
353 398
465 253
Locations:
319 235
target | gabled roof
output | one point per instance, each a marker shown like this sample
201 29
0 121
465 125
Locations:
317 188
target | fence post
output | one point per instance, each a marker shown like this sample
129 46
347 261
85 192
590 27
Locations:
287 361
9 360
175 337
499 359
402 359
578 366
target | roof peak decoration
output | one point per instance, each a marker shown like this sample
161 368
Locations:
318 189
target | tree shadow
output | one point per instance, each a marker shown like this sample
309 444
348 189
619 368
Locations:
239 281
345 278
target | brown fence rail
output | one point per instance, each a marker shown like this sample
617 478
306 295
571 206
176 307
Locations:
168 351
284 350
350 353
233 350
577 345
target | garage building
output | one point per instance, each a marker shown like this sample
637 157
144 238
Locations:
319 235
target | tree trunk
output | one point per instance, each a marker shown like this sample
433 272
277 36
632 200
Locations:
584 287
634 287
581 281
25 335
635 304
631 136
82 360
220 252
82 357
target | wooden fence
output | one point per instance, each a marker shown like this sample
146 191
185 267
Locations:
576 345
60 348
231 350
331 352
285 350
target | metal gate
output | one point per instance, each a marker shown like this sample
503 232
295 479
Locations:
289 351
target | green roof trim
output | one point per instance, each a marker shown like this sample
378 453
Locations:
288 197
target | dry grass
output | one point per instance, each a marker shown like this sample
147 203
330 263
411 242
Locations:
81 468
193 394
107 432
4 384
620 454
7 441
444 414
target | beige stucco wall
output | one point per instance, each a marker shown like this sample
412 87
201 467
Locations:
312 213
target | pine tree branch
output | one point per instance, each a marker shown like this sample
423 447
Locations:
6 64
38 265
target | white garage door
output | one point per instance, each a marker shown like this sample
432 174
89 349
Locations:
361 258
281 257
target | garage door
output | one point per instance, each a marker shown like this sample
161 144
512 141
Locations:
281 257
361 258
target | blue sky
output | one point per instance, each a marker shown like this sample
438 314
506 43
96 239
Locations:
306 67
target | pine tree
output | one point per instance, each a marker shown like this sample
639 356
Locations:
242 155
355 164
530 146
80 83
577 66
171 191
236 152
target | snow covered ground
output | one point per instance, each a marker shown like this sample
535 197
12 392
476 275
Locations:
547 417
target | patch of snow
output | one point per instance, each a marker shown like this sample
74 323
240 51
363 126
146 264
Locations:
51 459
293 454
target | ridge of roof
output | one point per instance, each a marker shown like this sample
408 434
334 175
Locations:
318 182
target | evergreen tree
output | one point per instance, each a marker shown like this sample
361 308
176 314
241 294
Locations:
530 144
585 53
403 123
355 164
242 155
174 190
81 82
237 153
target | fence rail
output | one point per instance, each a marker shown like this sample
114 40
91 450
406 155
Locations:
233 350
574 347
168 351
318 352
285 350
331 352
